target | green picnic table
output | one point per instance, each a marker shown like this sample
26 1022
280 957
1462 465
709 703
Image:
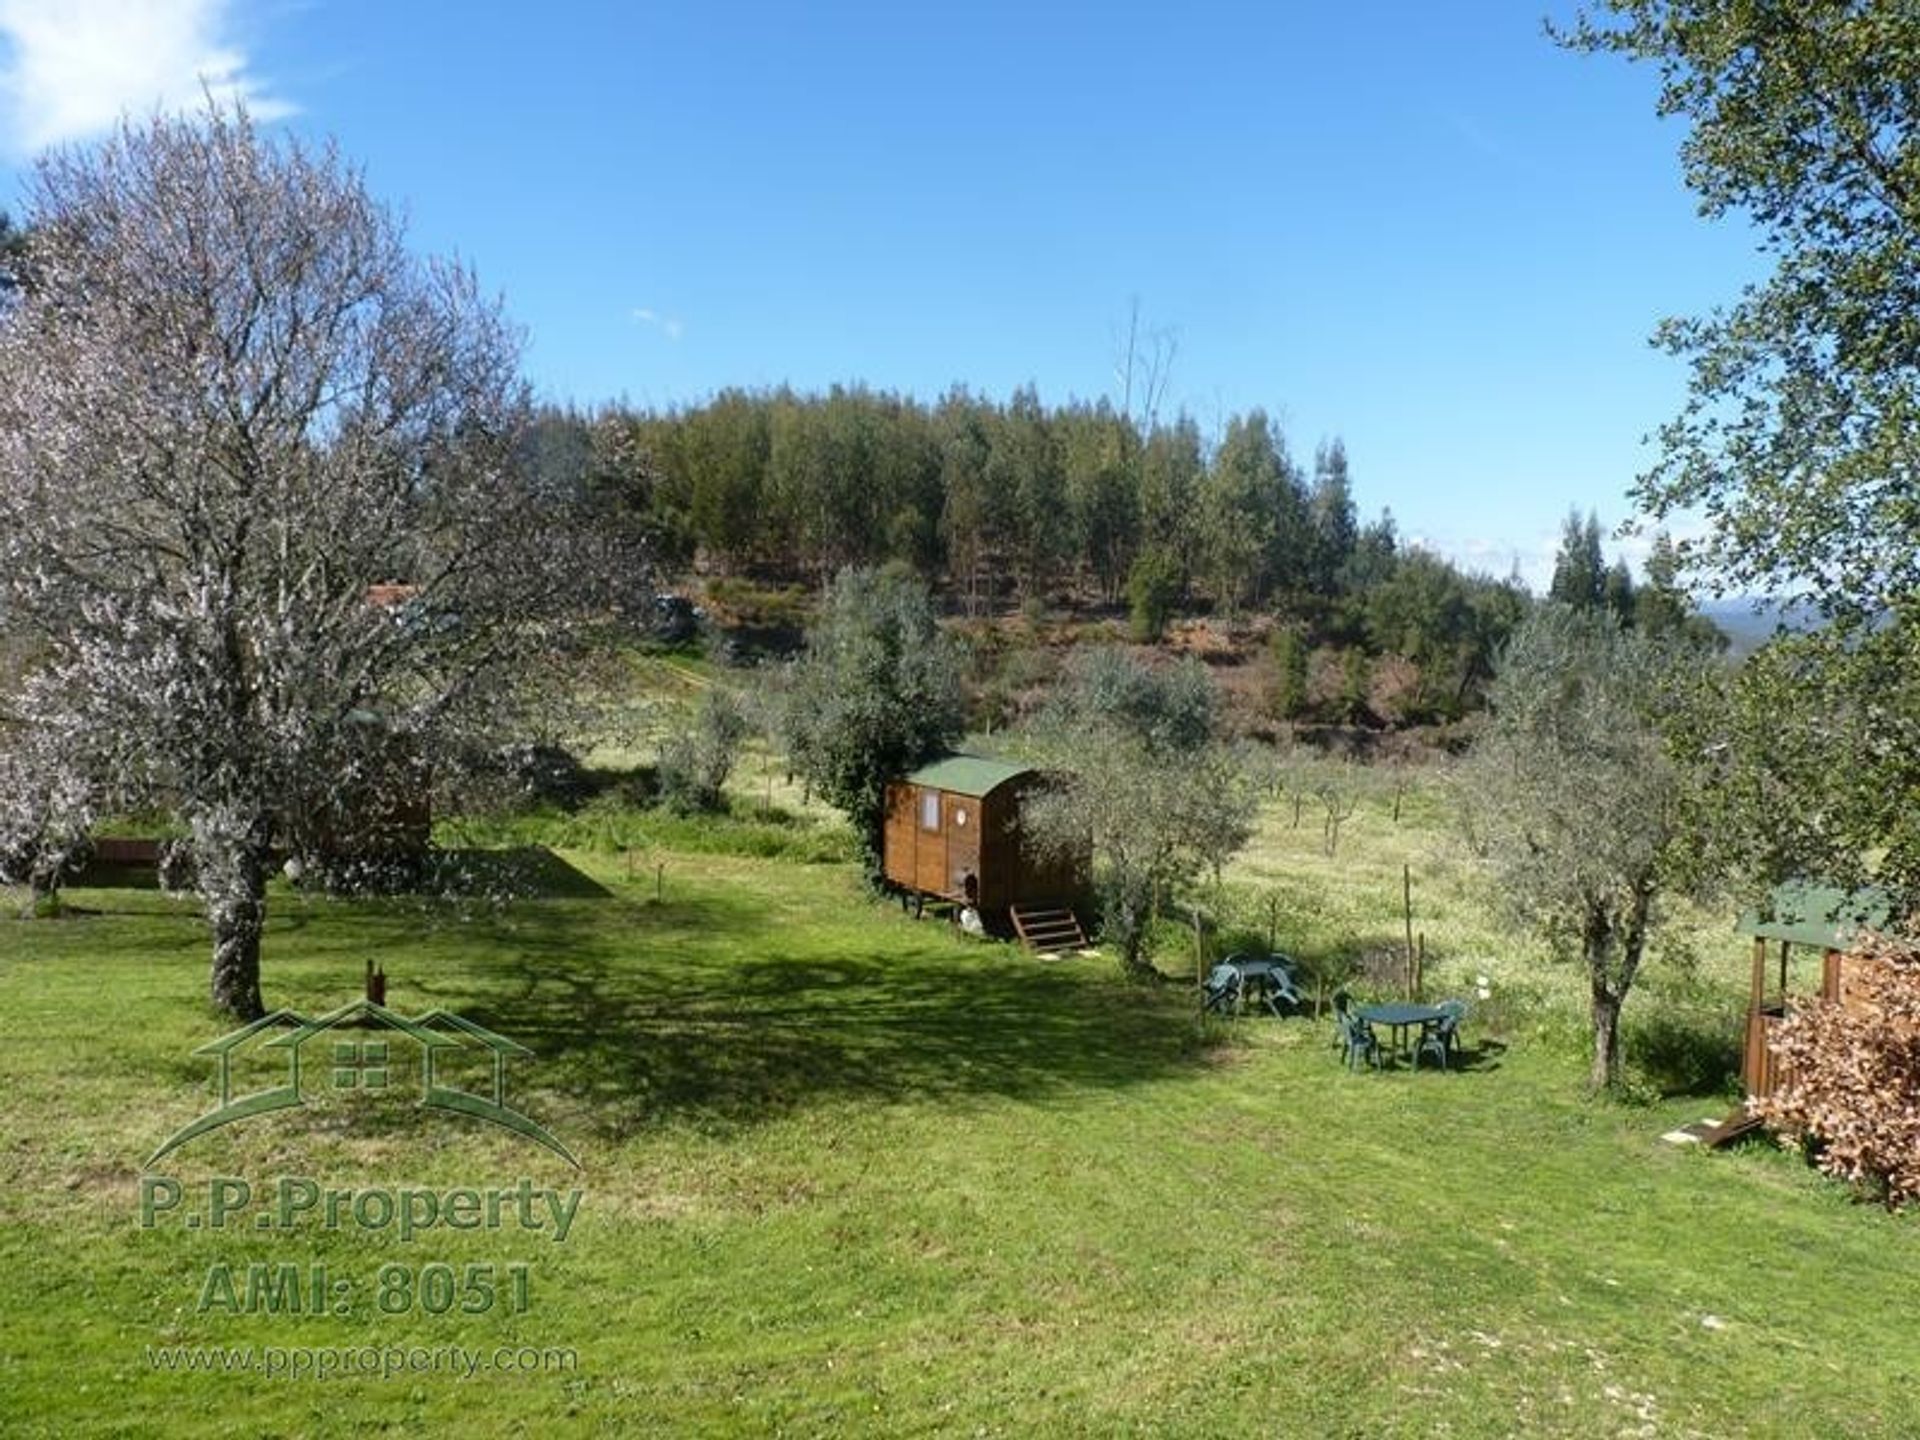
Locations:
1400 1017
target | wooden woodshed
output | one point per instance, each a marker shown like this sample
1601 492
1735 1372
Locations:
1822 922
953 834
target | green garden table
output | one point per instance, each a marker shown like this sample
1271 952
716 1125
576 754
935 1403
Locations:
1400 1017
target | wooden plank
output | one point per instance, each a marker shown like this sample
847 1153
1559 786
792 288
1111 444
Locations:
112 850
899 842
1736 1127
930 849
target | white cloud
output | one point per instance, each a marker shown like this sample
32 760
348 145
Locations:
70 68
667 325
1533 558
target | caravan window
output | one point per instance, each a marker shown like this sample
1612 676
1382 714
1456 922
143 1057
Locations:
929 809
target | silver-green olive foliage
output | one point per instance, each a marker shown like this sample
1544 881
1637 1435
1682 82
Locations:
877 693
1144 784
1572 797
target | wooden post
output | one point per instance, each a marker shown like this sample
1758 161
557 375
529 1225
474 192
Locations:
1753 1066
659 882
1783 974
1406 897
1420 965
1199 947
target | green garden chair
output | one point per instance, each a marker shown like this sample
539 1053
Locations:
1441 1039
1361 1044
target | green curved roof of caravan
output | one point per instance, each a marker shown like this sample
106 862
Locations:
967 774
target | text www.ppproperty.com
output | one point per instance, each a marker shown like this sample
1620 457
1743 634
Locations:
385 1362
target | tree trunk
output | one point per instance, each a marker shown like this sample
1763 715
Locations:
1130 932
872 830
1606 1039
42 886
1609 986
40 903
233 882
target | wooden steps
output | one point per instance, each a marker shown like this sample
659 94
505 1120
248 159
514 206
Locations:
1048 928
1716 1134
1736 1127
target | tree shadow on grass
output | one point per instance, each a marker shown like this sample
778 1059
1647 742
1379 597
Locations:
641 1039
1481 1056
1687 1053
529 870
109 875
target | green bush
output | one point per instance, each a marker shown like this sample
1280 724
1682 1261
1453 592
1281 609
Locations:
695 763
1153 585
608 826
1288 698
1690 1051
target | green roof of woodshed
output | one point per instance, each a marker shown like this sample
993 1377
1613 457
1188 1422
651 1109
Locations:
967 774
1818 914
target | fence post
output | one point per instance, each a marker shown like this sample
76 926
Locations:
1406 896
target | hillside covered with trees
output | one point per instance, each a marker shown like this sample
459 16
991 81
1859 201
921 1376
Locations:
1019 507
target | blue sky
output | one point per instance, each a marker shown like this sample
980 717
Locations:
1420 227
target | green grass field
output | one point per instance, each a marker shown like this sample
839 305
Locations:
844 1173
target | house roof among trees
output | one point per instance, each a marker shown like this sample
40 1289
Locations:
968 774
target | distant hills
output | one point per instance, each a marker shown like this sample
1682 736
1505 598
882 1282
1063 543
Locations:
1751 621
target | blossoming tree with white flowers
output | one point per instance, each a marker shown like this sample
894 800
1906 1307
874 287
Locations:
259 498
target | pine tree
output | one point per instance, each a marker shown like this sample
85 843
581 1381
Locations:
1331 515
1580 569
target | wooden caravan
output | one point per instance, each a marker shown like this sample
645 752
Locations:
953 834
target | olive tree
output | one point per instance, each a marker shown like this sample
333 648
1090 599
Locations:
877 693
1144 784
1572 797
699 756
260 510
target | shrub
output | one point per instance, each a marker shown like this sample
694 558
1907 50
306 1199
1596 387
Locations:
1378 969
523 773
1288 698
1167 941
695 764
1152 587
1683 1051
1393 689
1851 1074
1239 940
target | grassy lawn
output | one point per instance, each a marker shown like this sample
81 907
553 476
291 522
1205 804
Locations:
844 1172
